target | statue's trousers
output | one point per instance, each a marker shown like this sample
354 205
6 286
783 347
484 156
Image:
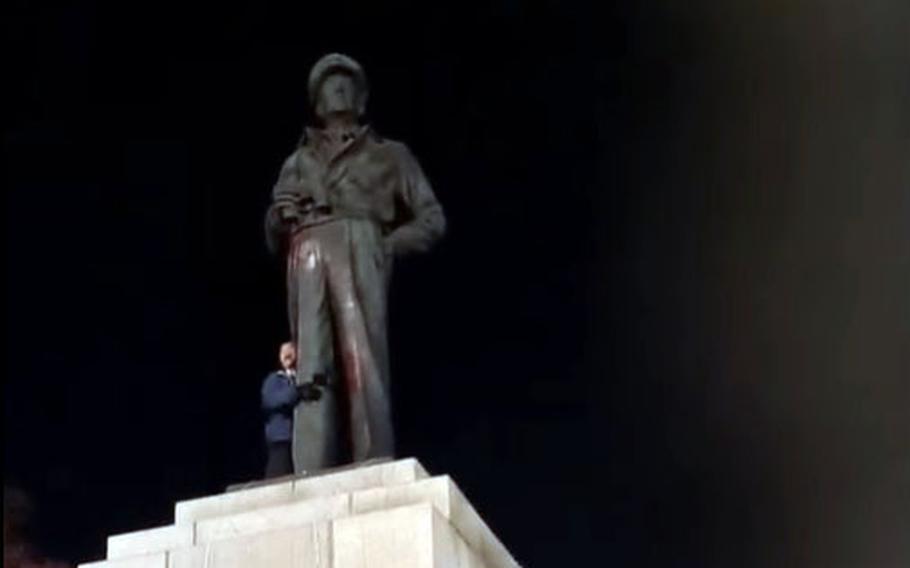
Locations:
338 274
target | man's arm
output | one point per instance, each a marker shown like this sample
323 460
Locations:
278 393
427 222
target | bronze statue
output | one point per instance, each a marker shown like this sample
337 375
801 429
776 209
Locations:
347 201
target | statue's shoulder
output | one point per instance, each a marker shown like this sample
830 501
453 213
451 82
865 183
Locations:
404 156
396 148
306 142
388 149
290 160
375 137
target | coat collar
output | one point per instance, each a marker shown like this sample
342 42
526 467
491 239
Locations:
319 137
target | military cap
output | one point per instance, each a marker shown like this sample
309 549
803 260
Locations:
335 62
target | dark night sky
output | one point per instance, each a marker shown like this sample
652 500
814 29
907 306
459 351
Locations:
668 326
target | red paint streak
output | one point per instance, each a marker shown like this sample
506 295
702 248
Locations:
353 370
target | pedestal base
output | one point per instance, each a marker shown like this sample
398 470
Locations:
386 515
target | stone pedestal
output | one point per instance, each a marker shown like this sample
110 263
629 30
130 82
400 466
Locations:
388 515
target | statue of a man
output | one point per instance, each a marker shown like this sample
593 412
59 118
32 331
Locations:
346 203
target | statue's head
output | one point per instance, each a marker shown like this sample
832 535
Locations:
338 85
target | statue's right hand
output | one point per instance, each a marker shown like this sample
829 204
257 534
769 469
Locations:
286 191
300 189
288 215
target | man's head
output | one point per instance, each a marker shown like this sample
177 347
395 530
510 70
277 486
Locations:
338 85
287 355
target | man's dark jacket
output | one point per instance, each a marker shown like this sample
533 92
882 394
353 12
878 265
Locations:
279 397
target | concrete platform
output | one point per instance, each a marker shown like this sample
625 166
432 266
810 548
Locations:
389 514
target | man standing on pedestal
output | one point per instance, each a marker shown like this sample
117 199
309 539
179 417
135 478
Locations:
280 396
347 201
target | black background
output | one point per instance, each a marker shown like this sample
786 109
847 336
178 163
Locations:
668 325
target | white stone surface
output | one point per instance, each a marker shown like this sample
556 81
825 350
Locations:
157 560
302 547
443 494
149 541
476 533
396 538
187 512
435 490
345 481
379 475
449 548
387 515
273 518
413 536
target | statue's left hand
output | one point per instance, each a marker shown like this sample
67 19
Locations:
309 392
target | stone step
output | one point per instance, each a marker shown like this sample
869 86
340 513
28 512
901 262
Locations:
279 517
414 536
308 546
335 520
156 560
440 492
317 473
332 483
150 540
251 522
450 502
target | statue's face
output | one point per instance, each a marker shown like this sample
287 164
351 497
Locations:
338 94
